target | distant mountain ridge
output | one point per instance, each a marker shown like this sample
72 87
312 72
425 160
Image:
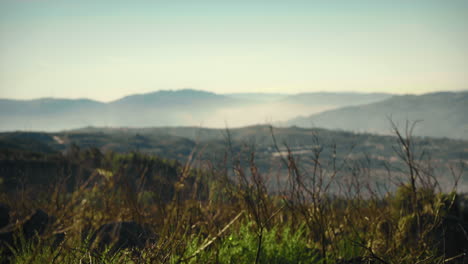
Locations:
45 104
135 110
170 97
441 114
187 107
338 99
444 114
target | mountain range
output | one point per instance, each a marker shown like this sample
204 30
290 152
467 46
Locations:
443 114
165 108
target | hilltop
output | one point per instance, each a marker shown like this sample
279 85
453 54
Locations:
185 107
442 114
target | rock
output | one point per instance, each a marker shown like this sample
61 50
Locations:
121 235
452 234
58 239
4 215
37 224
6 237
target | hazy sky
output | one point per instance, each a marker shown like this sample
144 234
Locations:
106 49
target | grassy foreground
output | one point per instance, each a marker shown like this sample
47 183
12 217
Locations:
226 213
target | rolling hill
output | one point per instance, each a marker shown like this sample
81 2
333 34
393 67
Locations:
170 108
351 150
336 99
443 114
152 109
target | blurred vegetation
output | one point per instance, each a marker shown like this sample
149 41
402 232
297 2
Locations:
224 210
372 152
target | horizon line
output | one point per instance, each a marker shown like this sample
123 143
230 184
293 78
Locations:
228 93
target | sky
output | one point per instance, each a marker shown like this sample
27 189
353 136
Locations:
108 49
